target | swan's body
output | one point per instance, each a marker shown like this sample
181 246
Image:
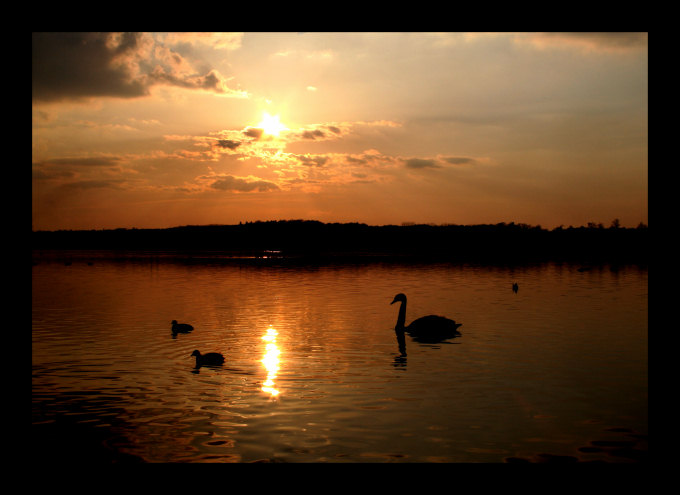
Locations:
181 327
208 359
432 326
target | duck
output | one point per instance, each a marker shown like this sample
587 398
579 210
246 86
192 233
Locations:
515 287
181 327
427 327
208 359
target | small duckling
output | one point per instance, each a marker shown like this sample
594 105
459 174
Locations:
208 359
180 327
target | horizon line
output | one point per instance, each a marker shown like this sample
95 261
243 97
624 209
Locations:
590 225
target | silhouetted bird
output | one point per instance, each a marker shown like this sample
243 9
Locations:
181 327
209 359
515 287
428 327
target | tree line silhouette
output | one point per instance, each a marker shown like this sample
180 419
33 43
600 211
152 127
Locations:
311 238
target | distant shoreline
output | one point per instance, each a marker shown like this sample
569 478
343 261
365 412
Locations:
300 240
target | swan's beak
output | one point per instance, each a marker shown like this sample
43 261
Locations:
394 300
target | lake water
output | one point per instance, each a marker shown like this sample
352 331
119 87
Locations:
313 372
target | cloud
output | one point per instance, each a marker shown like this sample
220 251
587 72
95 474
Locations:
228 143
458 160
421 163
312 56
94 184
352 160
316 133
42 174
239 184
313 161
74 65
212 81
220 41
253 132
122 65
254 142
589 42
107 161
438 162
320 132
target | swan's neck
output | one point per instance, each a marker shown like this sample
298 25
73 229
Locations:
401 319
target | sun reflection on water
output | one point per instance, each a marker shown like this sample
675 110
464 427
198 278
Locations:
271 361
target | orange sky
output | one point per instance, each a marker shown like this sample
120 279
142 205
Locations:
164 129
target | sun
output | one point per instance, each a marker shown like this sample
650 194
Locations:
271 124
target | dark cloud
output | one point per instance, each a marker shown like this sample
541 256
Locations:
81 162
42 174
458 160
231 183
210 82
311 161
351 159
328 132
253 132
421 163
228 143
316 133
76 65
93 184
125 65
606 40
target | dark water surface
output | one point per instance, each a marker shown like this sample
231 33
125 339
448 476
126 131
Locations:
313 371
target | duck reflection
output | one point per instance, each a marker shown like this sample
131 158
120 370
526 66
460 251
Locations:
271 361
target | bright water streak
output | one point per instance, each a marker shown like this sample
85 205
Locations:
313 372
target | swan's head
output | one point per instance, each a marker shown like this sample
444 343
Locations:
399 297
196 353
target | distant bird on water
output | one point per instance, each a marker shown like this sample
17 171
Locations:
427 327
208 359
180 327
515 287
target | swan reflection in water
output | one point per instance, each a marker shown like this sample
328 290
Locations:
271 361
400 360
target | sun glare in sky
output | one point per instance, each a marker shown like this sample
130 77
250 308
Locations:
271 124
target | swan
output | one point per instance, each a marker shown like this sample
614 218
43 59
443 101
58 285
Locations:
515 287
208 359
181 327
428 327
